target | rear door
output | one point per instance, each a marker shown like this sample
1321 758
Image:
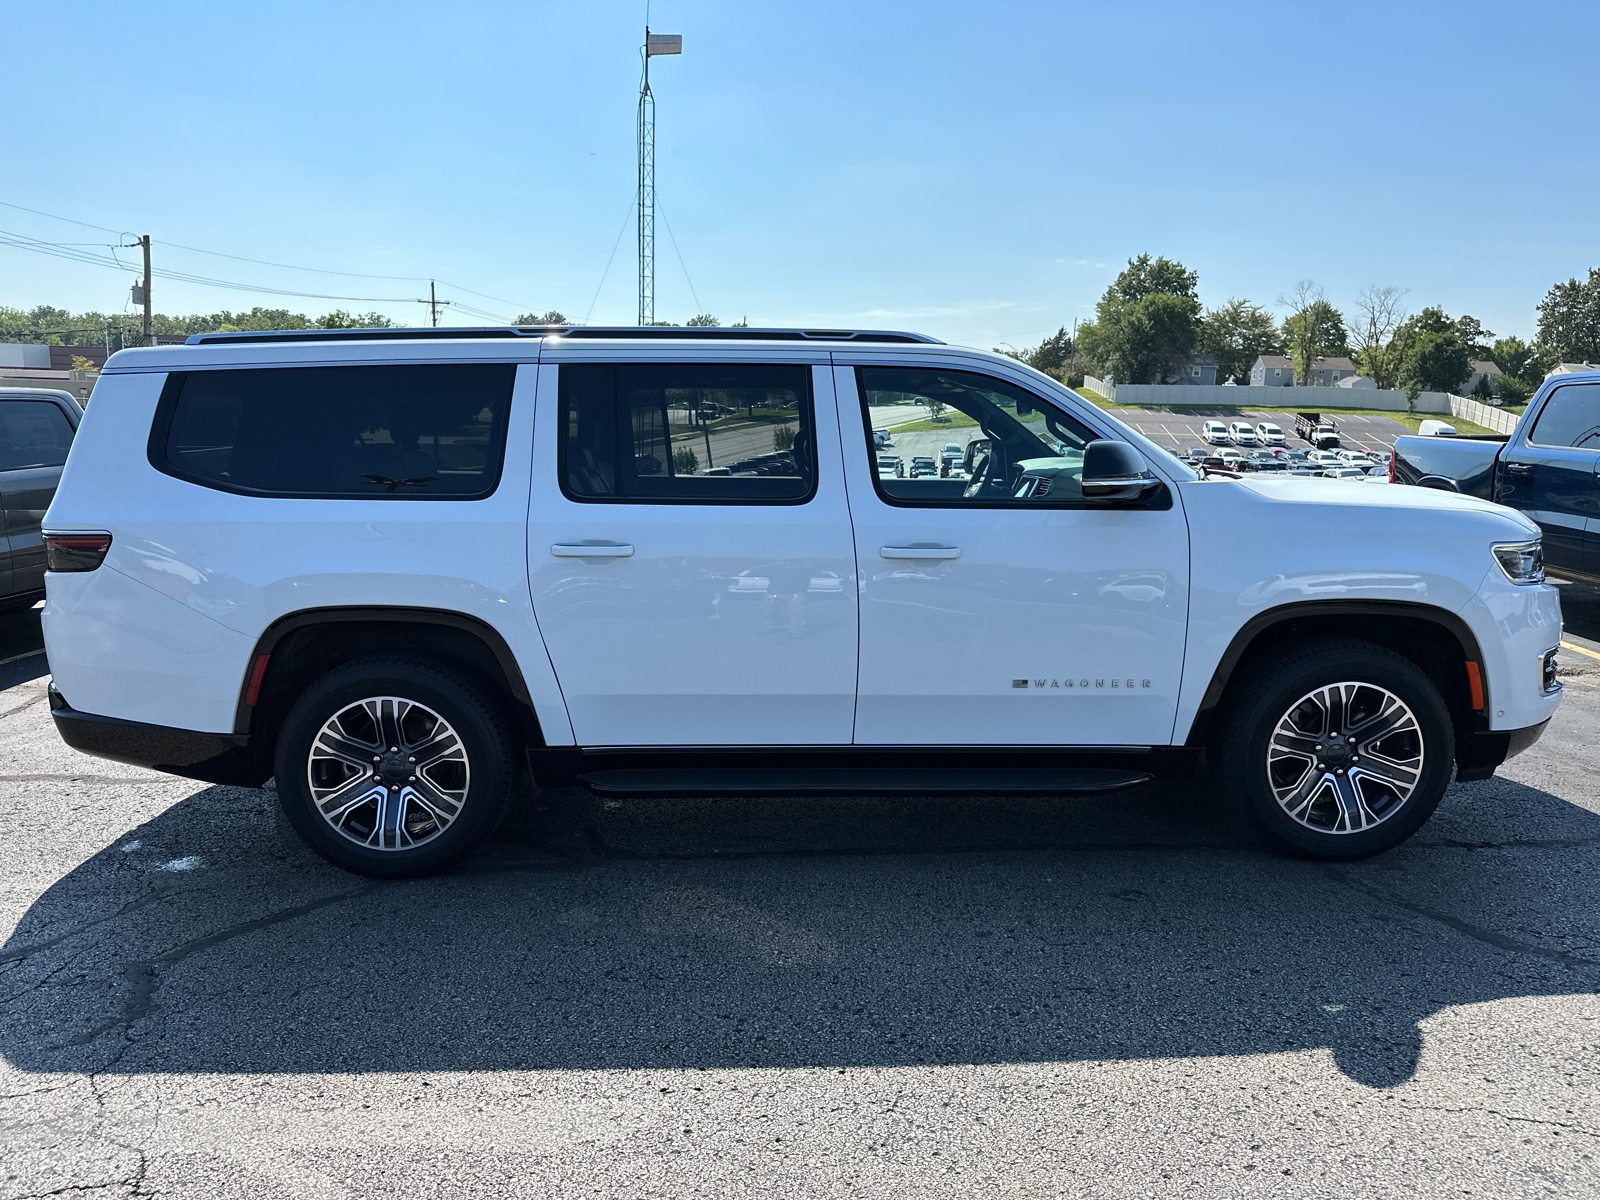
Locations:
689 550
989 619
1549 474
35 435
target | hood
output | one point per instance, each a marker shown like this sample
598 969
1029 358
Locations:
1349 493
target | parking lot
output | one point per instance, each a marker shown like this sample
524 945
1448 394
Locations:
1181 430
1114 996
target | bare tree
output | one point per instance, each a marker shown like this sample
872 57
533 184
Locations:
1382 312
1313 328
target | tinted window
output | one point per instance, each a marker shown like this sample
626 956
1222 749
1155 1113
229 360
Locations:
960 438
33 433
1571 417
691 432
401 433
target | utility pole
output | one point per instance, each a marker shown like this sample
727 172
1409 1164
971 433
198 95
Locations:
654 43
141 291
433 304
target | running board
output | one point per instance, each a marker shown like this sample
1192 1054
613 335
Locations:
864 781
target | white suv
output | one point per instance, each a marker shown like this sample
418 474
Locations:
1242 433
402 571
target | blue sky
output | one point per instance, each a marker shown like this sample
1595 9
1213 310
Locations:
977 172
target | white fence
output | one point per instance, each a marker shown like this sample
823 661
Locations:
1302 399
1490 418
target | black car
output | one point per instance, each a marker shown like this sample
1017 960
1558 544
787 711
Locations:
36 431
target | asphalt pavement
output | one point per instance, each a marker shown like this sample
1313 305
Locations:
1117 996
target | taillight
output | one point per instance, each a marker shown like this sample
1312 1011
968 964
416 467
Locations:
1392 457
75 551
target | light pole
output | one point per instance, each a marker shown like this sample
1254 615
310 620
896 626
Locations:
654 43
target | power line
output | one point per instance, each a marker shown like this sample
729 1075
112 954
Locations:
674 239
199 279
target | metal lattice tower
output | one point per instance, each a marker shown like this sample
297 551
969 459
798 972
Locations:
654 43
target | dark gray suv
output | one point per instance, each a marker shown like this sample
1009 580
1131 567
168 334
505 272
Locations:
36 430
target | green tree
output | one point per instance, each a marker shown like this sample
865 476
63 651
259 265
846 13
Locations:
1236 335
1514 390
702 320
1569 320
783 438
1146 276
1516 358
1435 362
553 317
684 462
1483 391
1474 336
1314 328
1147 322
339 319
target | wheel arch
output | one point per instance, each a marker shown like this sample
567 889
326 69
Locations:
1435 639
300 647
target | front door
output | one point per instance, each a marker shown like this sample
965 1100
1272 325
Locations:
689 552
1550 475
993 619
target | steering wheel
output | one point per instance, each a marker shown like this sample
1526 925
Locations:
989 475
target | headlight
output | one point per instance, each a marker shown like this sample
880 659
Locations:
1523 562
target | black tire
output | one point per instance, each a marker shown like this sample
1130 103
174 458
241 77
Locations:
445 811
1336 782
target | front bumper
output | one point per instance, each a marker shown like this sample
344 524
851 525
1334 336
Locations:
1480 753
211 757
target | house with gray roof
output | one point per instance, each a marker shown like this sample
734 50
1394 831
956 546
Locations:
1327 372
1481 370
1272 370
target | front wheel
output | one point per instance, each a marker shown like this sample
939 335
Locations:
394 768
1340 750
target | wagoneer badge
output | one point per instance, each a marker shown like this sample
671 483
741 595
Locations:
1081 683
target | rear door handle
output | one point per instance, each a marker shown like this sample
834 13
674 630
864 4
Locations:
613 550
918 552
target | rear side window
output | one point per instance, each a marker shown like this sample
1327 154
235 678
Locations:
33 433
434 432
1571 417
691 433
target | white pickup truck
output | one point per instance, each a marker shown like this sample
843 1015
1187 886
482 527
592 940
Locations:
400 570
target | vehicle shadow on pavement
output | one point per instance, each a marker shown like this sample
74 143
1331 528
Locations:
798 933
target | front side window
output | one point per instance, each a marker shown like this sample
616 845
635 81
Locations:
688 433
961 438
431 432
33 433
1571 418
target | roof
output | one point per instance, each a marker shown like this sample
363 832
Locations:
1273 360
1486 368
1333 364
1201 360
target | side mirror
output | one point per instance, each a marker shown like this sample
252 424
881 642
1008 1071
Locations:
1115 471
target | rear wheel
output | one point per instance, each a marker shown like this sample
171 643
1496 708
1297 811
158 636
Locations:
394 768
1338 751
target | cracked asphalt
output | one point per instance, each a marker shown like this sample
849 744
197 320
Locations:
1114 997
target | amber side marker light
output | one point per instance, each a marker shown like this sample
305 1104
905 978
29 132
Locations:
1475 685
75 551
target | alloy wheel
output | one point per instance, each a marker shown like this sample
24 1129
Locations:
1345 757
388 773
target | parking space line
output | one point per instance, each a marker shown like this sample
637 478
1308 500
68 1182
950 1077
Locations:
1579 649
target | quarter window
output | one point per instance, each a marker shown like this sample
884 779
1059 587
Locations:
1571 418
33 433
692 433
430 432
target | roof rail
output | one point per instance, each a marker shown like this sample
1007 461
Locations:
651 332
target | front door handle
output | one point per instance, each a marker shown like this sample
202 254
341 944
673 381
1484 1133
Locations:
919 552
608 550
1517 468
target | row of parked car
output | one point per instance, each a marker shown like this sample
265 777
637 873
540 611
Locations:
1242 433
1327 464
949 464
